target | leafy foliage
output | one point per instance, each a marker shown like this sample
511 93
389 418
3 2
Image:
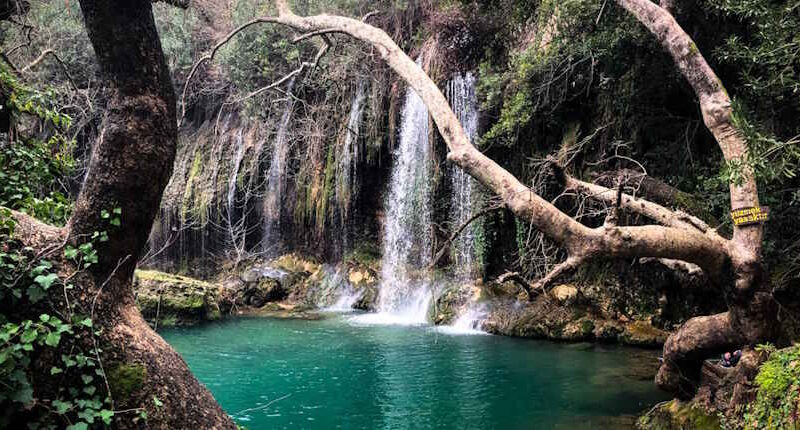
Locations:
778 401
32 169
77 400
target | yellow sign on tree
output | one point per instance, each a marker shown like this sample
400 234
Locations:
752 215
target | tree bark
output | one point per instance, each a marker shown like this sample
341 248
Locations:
751 318
129 169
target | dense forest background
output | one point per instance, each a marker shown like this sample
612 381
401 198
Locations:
580 80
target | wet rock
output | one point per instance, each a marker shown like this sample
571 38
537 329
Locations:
678 415
642 333
166 299
607 331
267 290
565 294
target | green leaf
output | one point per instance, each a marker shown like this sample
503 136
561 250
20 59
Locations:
46 280
55 370
29 336
35 293
70 253
106 415
23 395
61 407
78 426
52 338
157 402
87 379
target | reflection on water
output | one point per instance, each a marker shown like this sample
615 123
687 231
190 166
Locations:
337 374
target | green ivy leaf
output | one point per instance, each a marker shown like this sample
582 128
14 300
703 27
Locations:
78 426
52 338
106 415
55 370
70 253
35 293
46 280
61 407
23 395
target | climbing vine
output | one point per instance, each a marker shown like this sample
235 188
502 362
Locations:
61 342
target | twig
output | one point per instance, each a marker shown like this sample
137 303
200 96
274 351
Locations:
264 406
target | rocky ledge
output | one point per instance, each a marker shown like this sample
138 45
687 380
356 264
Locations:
166 299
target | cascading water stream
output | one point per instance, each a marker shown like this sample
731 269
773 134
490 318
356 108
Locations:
405 294
463 100
346 168
237 162
273 198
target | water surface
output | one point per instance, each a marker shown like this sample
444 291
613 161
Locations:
337 373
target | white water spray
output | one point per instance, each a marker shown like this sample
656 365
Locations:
405 292
461 92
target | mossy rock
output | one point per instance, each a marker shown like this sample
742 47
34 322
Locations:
175 299
607 331
677 415
642 333
296 263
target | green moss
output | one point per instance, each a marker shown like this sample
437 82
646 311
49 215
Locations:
170 320
677 415
126 379
693 49
188 204
365 254
643 333
154 275
777 402
587 327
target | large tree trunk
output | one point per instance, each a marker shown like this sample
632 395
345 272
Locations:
129 169
751 317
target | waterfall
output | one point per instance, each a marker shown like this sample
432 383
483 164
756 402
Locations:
404 291
346 167
469 322
463 100
276 174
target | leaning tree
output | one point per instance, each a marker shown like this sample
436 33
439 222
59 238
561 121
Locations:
140 376
733 265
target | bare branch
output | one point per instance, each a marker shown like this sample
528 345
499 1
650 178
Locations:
458 231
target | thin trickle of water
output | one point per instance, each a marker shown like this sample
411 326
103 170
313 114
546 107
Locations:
346 168
236 163
405 291
461 92
275 177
